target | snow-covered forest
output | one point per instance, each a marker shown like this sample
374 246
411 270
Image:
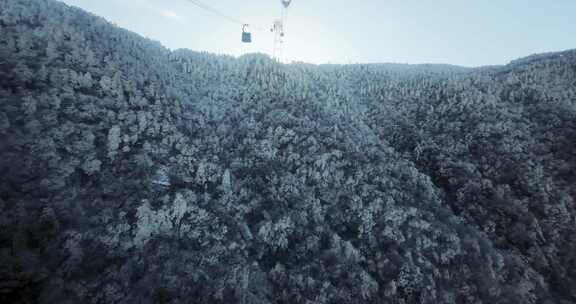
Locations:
130 173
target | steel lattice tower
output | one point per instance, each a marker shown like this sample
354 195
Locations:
278 29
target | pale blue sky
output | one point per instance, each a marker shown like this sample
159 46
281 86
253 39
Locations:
461 32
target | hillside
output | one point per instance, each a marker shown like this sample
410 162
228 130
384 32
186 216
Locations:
130 173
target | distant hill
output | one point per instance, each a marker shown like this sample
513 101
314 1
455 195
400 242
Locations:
130 173
551 56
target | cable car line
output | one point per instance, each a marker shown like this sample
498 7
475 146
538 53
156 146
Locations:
277 28
215 11
219 13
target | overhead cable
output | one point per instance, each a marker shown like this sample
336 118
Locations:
219 13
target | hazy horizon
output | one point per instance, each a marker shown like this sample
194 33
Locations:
444 32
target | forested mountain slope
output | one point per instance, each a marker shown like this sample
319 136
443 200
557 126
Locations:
134 174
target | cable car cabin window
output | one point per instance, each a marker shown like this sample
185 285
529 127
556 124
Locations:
246 37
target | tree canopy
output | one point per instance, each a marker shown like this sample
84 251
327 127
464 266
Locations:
135 174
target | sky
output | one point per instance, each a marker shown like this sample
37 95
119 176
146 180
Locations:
459 32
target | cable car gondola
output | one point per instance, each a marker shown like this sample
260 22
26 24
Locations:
246 35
